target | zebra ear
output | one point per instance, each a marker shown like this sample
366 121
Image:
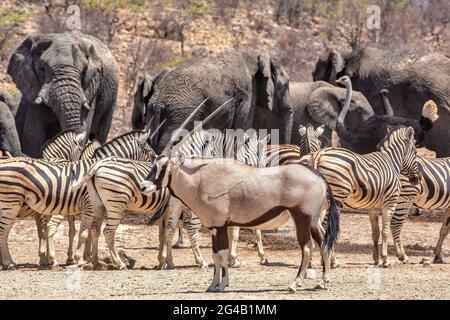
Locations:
143 139
79 138
320 130
410 133
302 130
264 140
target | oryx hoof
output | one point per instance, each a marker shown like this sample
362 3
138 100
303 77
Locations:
42 260
264 261
438 260
165 266
310 274
320 286
215 289
203 265
292 288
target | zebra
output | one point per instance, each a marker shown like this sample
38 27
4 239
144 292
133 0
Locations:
89 149
432 193
46 187
274 155
371 181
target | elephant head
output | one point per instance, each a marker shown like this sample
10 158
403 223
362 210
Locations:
60 71
141 113
9 138
325 104
272 93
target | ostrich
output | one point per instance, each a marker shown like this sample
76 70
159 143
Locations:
365 138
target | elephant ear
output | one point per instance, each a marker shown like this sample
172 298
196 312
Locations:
145 88
337 64
21 65
92 75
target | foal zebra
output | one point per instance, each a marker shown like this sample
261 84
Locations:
274 155
371 181
46 187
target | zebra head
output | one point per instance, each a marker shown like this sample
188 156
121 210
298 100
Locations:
310 139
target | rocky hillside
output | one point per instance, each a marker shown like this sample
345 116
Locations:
148 35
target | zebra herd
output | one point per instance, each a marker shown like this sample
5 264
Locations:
103 181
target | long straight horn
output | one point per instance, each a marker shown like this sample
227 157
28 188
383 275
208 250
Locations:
149 124
176 136
157 129
199 125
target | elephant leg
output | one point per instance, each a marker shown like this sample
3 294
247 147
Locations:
101 125
243 118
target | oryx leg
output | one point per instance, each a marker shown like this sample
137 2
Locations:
318 234
233 238
373 215
41 223
303 228
72 230
445 228
386 219
262 257
51 229
7 217
220 256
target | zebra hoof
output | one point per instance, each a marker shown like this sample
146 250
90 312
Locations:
203 265
235 264
438 260
11 266
388 264
310 274
292 288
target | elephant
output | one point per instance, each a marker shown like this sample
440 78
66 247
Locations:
250 81
319 103
411 80
68 81
9 138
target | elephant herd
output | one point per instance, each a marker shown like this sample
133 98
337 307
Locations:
69 81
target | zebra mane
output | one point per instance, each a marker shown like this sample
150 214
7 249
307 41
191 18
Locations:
122 136
383 144
55 138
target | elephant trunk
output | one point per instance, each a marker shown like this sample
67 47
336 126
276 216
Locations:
66 97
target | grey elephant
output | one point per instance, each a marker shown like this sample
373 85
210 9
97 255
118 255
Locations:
68 81
249 80
9 138
411 80
320 103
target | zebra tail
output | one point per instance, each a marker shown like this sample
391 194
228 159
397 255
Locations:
160 211
332 232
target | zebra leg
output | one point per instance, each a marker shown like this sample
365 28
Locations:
86 224
445 228
168 225
263 259
41 223
233 238
397 221
180 241
193 227
373 215
52 227
385 233
112 222
70 259
7 218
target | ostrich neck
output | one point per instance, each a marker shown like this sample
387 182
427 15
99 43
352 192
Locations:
348 99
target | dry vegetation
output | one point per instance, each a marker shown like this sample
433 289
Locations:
149 35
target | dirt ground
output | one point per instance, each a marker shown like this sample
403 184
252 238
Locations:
356 279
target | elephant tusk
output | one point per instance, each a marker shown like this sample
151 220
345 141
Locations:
39 100
86 105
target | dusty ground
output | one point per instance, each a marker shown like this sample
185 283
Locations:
356 279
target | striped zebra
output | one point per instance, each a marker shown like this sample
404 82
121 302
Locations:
432 193
273 155
371 181
5 154
46 187
89 149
